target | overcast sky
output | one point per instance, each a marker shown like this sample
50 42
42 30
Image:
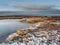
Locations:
31 7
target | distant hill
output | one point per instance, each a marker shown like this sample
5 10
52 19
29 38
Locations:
23 16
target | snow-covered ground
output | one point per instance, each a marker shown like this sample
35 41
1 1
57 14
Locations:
41 38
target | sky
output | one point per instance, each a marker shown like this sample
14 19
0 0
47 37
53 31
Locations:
31 7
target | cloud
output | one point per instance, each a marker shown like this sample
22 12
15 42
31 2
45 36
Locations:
38 9
31 6
35 9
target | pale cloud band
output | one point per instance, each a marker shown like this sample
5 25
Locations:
35 9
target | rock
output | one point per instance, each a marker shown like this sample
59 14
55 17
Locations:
29 21
12 37
20 32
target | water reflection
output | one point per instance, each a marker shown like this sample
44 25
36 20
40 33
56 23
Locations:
8 26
